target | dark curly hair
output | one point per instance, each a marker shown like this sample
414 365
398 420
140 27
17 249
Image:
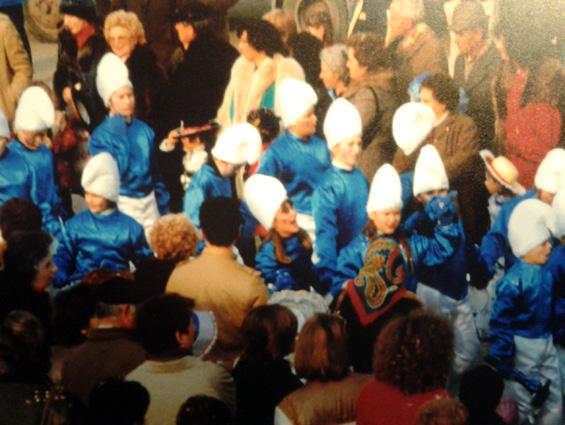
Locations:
266 122
369 50
414 353
263 37
444 89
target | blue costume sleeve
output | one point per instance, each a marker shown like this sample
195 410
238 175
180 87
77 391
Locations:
65 260
161 192
193 200
266 263
556 266
139 243
494 243
324 212
436 250
269 164
501 322
349 262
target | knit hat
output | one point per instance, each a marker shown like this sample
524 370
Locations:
411 124
102 177
35 110
293 99
264 196
550 176
429 173
206 332
238 144
84 9
531 224
386 190
559 210
111 75
4 127
342 122
503 171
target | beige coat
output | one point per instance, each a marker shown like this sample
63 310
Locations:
15 67
217 282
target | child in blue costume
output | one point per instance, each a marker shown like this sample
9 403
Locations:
236 146
131 143
339 201
101 236
444 287
284 259
35 115
297 158
556 265
550 177
520 326
384 209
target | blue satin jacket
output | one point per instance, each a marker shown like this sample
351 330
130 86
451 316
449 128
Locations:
556 266
44 191
424 252
299 165
16 178
339 210
206 183
495 243
132 146
522 307
92 241
300 268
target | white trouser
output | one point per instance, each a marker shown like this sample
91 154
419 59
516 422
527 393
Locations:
458 312
537 358
144 210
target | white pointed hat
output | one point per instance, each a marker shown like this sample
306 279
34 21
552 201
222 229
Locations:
550 175
35 110
386 190
531 223
293 99
559 210
342 122
264 196
411 124
111 75
238 144
429 173
102 177
4 127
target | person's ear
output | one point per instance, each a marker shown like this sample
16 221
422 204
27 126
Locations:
183 339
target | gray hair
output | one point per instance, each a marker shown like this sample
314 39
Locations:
335 58
410 9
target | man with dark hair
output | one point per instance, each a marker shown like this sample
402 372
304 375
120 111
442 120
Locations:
19 214
170 373
217 282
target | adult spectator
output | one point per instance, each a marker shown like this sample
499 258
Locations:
118 403
414 46
476 66
125 35
367 16
216 281
331 391
372 92
442 412
19 214
412 359
256 73
284 22
456 138
170 373
204 410
109 331
15 67
15 10
480 391
262 375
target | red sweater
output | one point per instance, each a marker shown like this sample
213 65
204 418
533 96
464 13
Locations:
381 404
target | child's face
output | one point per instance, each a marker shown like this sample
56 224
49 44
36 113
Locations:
285 222
347 152
95 203
491 184
33 139
306 125
539 254
190 143
386 221
425 197
122 102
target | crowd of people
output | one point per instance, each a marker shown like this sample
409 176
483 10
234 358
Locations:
322 226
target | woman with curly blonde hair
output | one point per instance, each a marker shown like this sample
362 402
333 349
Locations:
125 35
173 237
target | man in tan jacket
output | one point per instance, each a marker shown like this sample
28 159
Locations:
217 282
15 67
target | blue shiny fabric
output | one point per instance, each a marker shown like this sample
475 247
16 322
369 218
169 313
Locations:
495 243
522 307
16 178
206 183
132 146
299 165
92 241
556 266
339 210
44 190
300 268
